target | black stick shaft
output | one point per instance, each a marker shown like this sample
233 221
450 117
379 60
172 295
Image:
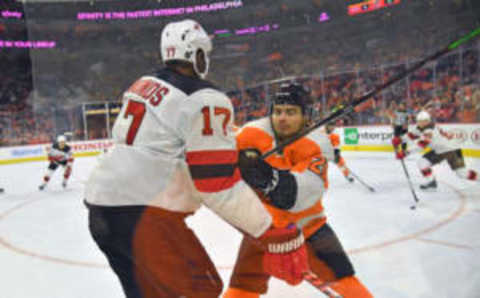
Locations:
361 181
320 284
409 181
350 108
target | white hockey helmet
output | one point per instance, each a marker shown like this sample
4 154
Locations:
181 41
61 138
423 116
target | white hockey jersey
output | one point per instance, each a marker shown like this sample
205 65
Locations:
175 149
432 137
55 154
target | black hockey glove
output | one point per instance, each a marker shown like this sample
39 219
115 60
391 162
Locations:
279 186
256 172
336 155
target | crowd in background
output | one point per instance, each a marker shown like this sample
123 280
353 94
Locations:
95 62
449 89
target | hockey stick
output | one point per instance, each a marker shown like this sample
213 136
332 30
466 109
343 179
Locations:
323 286
414 206
350 108
361 181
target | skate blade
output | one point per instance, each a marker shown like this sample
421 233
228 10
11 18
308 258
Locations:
429 189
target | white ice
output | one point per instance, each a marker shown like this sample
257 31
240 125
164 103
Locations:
433 251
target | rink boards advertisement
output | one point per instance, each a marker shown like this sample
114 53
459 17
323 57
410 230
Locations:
379 137
358 138
39 152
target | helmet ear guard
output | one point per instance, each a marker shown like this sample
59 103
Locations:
206 67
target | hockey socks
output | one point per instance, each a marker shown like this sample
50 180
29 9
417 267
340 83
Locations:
351 287
467 174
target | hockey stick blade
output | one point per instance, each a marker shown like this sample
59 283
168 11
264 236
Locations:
362 182
350 108
413 207
323 286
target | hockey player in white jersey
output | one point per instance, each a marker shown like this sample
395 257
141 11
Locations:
60 154
175 151
426 134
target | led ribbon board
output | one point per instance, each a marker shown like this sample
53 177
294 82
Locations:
370 5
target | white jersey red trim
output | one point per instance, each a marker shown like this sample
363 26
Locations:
174 149
431 136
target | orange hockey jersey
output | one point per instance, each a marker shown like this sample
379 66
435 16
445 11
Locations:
334 140
305 160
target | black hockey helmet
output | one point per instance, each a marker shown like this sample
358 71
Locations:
293 93
329 127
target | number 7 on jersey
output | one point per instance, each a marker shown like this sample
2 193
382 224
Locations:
137 110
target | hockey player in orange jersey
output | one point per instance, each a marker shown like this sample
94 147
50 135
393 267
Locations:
338 159
294 194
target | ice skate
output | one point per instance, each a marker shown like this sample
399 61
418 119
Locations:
429 186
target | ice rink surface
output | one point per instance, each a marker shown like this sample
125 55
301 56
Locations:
431 252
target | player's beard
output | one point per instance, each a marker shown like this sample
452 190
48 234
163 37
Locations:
288 131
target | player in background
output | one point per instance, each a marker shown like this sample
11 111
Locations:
60 154
427 135
174 151
292 184
338 159
400 123
2 190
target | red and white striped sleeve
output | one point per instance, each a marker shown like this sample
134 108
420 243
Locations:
207 129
